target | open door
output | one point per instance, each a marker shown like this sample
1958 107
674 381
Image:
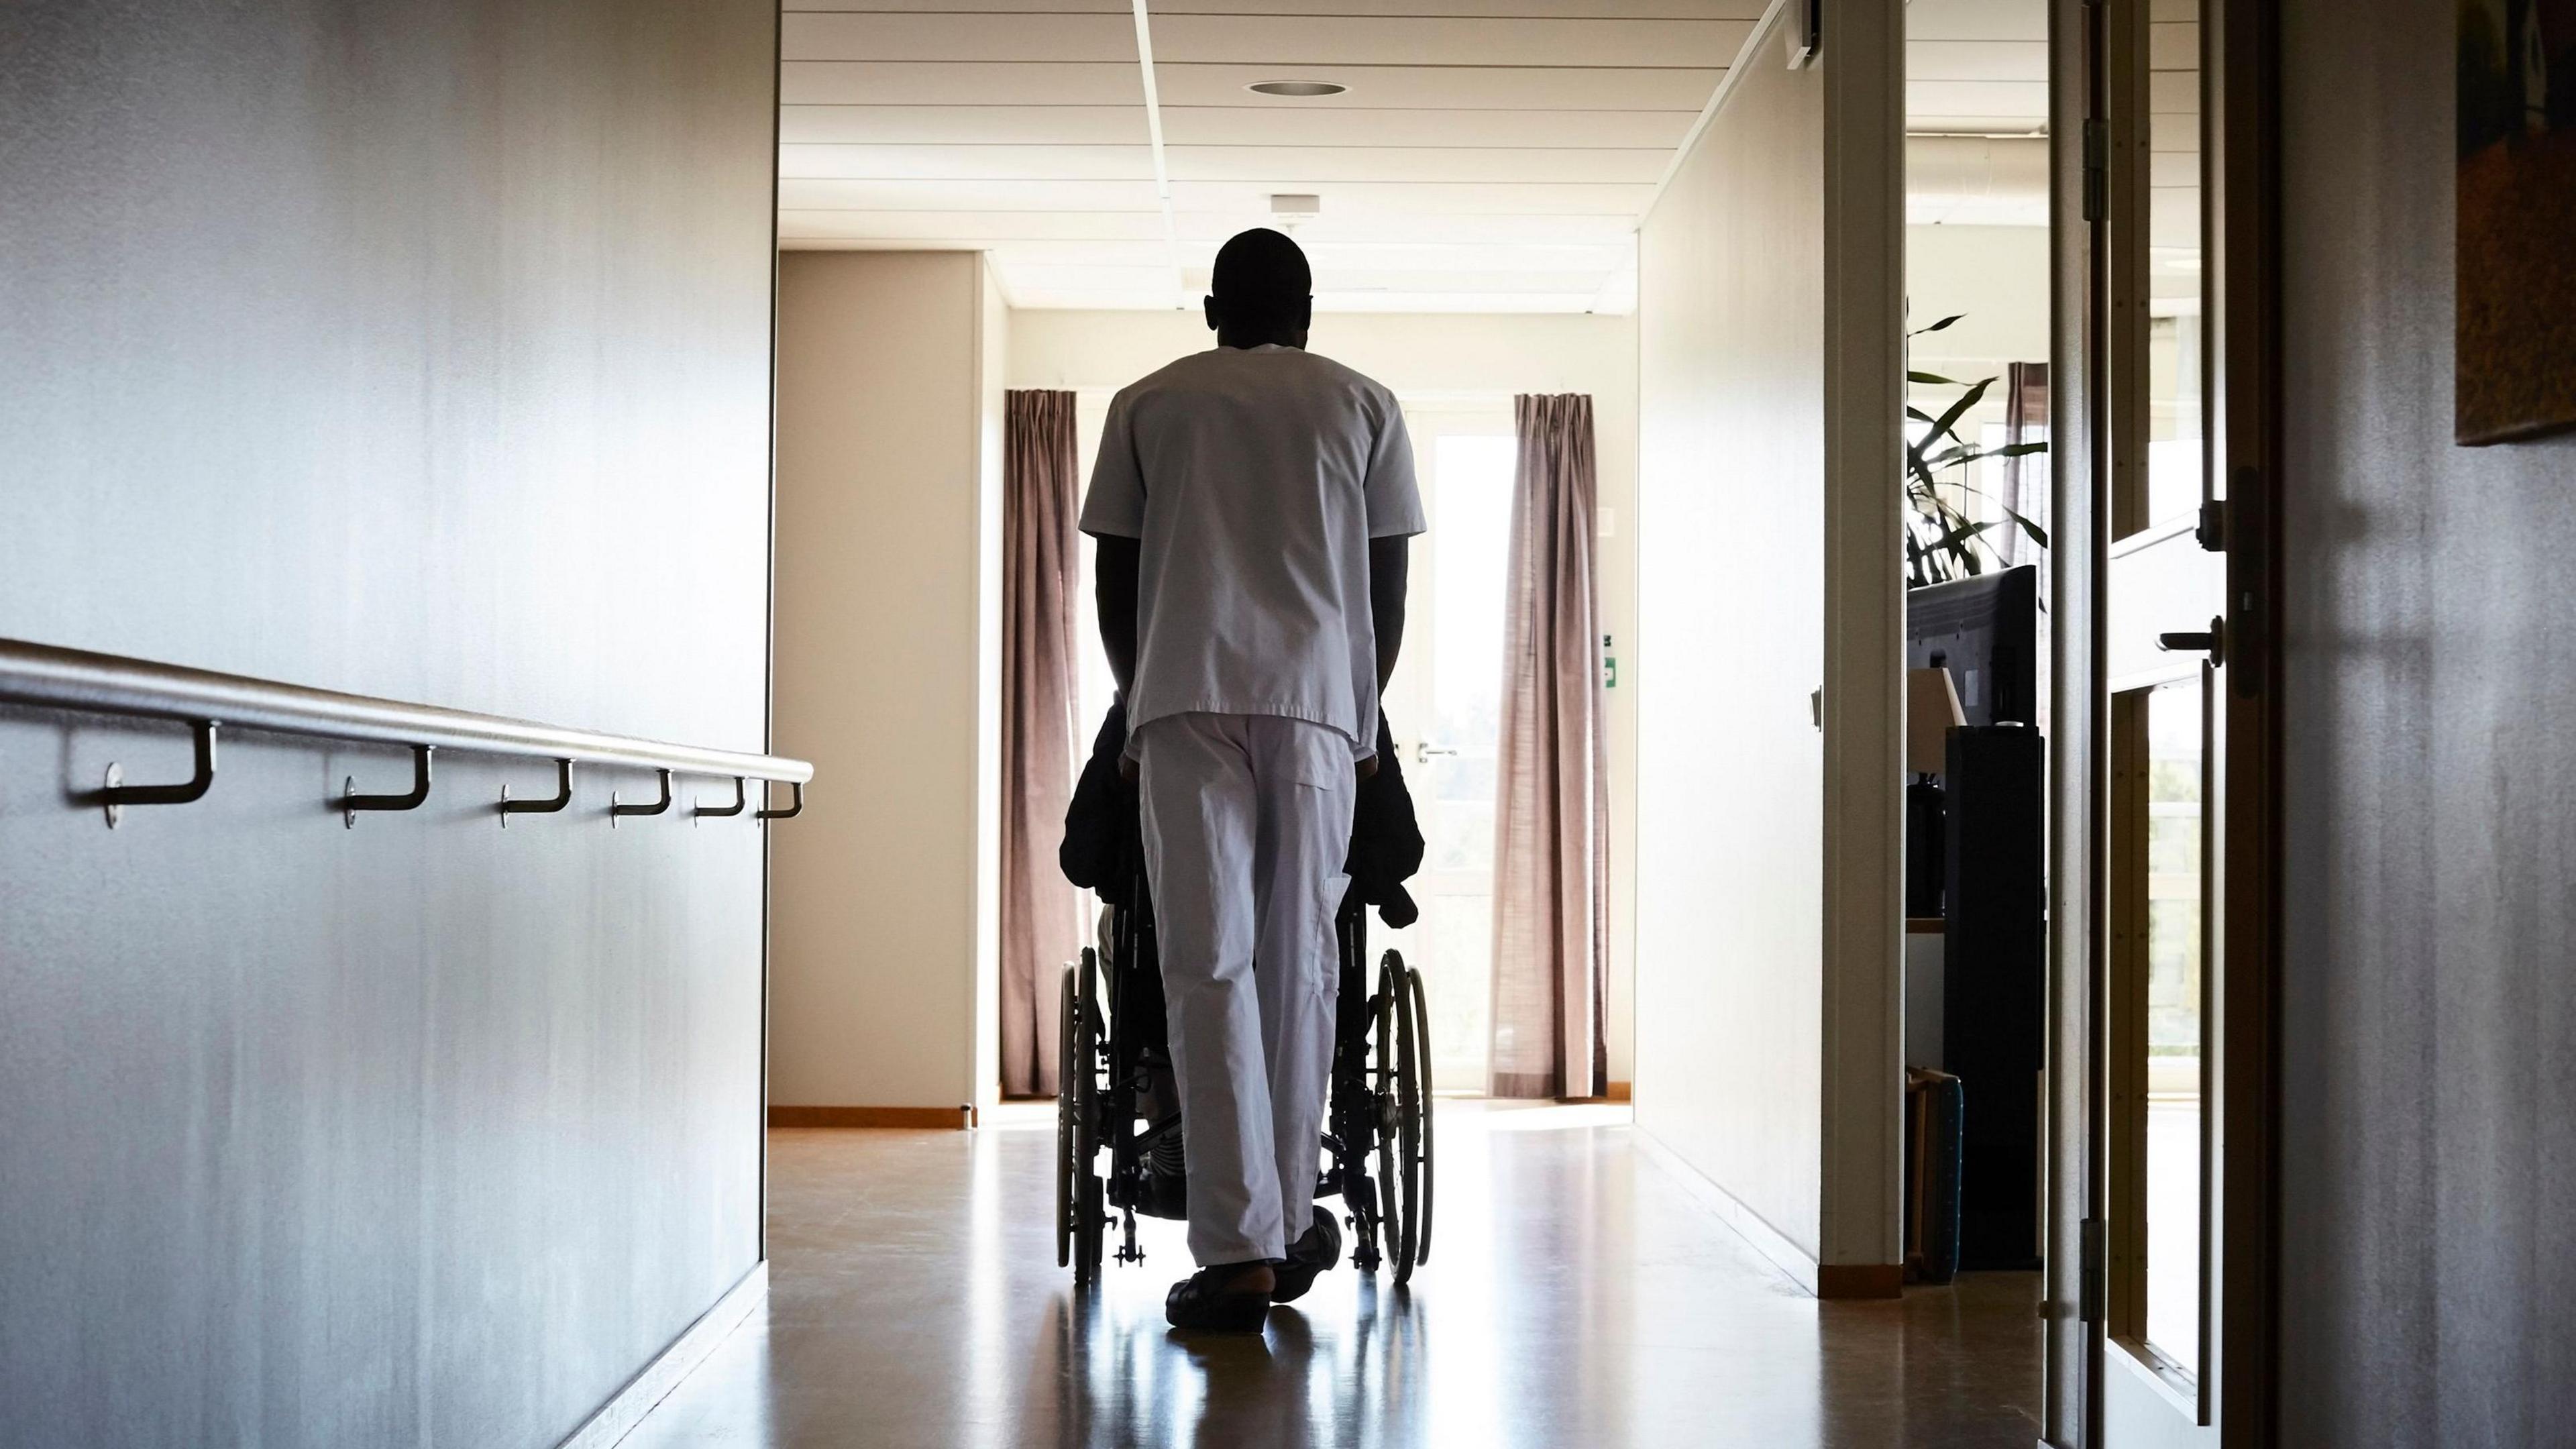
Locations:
2164 957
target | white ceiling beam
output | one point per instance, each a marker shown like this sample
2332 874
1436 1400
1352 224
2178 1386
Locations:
1162 166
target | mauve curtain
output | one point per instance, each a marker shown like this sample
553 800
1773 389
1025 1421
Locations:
1551 791
1041 489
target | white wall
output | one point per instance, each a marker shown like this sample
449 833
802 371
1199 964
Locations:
882 917
1997 276
1996 279
1730 577
1768 1012
1428 360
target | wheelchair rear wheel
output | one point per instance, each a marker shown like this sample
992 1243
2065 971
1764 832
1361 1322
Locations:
1404 1114
1079 1213
1420 1220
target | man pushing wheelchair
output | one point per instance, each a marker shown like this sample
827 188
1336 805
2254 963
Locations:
1252 505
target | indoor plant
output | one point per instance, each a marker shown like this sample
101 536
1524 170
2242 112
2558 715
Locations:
1941 542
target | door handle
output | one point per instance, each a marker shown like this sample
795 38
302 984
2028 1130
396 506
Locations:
1422 753
2211 641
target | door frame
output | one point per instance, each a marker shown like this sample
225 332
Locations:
2241 130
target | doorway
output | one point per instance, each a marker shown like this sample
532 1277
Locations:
1444 708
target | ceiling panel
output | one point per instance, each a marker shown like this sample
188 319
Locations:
1287 168
959 83
1747 10
1496 236
968 163
1976 20
1024 196
1230 126
1353 126
1250 200
975 228
1413 198
953 125
1105 83
976 37
1299 42
1487 155
1301 168
1562 88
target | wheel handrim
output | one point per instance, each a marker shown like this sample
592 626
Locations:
1086 1216
1388 1008
1422 1017
1408 1119
1066 1068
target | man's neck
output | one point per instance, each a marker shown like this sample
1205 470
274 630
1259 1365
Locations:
1246 341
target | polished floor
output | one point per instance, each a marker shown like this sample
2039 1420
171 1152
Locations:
1576 1295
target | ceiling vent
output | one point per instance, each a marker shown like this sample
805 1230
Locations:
1289 208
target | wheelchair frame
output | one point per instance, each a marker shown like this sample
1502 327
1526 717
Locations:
1377 1121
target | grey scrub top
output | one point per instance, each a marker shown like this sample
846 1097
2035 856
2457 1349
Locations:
1254 479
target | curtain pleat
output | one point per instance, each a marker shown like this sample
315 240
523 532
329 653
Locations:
1551 806
2025 484
1041 489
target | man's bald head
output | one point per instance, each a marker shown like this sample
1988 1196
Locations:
1262 291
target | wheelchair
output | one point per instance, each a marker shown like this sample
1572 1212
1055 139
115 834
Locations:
1114 1063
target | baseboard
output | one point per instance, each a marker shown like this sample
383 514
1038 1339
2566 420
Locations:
1619 1091
653 1383
940 1117
1860 1280
1767 1240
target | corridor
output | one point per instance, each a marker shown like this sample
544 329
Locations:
1577 1294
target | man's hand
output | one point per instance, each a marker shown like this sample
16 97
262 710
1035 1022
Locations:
1368 768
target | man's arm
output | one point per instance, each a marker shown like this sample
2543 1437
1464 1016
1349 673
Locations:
1387 563
1115 561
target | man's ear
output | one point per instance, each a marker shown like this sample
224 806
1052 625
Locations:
1209 305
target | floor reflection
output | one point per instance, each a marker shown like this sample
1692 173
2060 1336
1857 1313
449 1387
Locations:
1124 1380
1576 1295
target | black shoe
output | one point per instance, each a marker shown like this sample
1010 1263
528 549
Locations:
1209 1300
1318 1250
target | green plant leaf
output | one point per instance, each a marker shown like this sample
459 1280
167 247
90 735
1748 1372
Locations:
2038 535
1933 378
1937 326
1958 409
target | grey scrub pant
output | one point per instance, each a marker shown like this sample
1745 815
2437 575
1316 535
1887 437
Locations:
1247 823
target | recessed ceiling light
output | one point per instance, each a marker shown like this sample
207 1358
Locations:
1302 88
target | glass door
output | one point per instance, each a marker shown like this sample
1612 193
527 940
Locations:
1445 711
2164 668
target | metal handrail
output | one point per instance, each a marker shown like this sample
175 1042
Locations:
75 679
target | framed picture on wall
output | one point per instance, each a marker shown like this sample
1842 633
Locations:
2516 364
